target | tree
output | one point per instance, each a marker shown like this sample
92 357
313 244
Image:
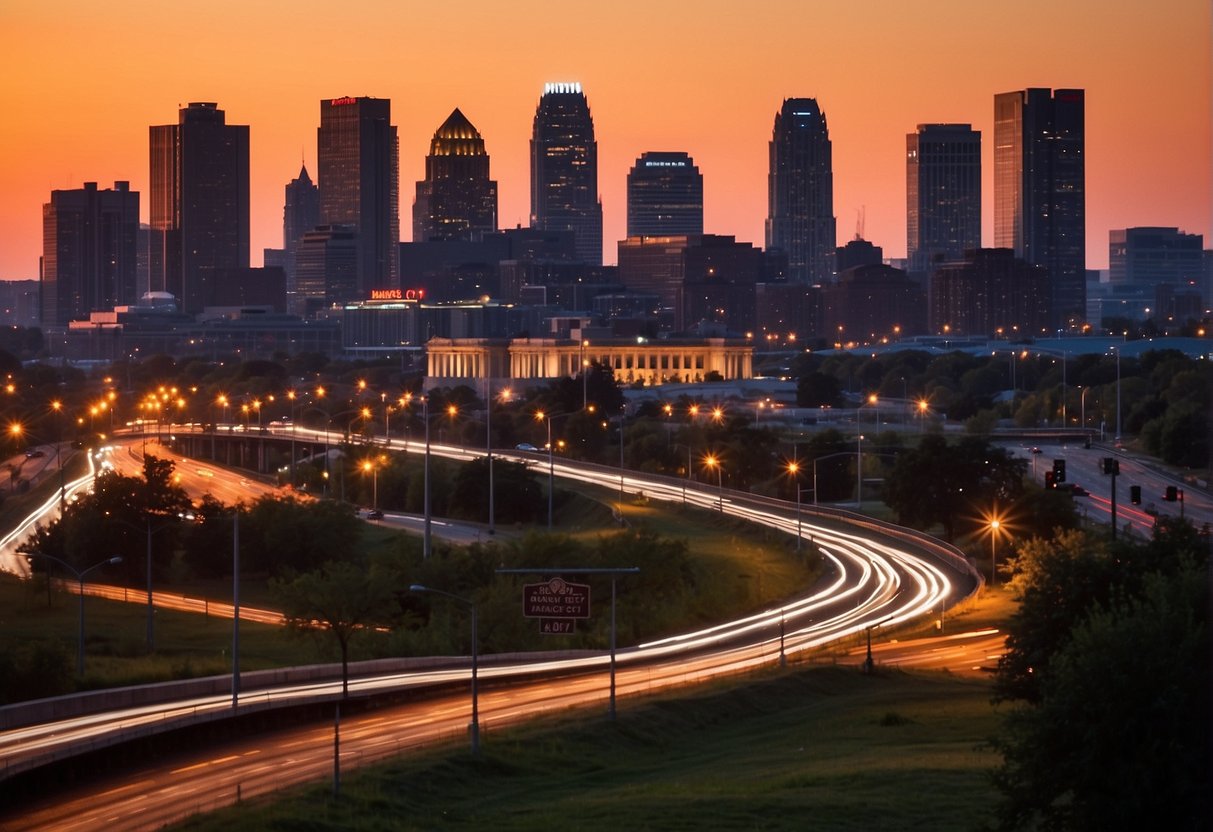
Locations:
1119 739
345 597
817 389
517 497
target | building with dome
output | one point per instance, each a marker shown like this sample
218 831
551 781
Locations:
457 200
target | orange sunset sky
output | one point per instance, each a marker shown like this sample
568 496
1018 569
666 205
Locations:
82 81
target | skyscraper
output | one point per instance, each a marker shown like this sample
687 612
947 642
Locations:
359 171
300 214
1040 189
800 191
456 198
943 193
564 169
665 196
199 207
88 251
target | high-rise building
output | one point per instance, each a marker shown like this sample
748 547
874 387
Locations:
326 270
1040 190
564 169
457 200
665 196
800 191
89 259
989 291
300 214
359 171
199 208
943 193
1151 256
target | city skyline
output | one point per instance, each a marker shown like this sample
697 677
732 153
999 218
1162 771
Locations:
66 125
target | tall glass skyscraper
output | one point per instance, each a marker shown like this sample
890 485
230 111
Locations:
943 193
564 169
1040 190
300 214
665 196
199 208
800 191
456 199
358 164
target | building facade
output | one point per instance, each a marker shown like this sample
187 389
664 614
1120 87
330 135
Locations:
475 361
457 200
564 169
1040 190
873 303
89 259
665 196
358 164
943 193
990 292
800 191
199 203
326 271
1152 256
300 214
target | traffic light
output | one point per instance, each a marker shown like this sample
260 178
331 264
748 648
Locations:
1050 480
1135 494
1172 494
1059 471
1111 465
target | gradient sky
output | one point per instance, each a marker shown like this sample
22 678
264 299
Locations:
82 80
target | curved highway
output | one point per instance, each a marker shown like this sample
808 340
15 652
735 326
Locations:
880 576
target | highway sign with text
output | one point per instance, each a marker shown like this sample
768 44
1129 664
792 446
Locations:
556 598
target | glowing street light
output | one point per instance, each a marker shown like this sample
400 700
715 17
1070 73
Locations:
712 462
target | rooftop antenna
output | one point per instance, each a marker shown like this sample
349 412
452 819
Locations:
860 218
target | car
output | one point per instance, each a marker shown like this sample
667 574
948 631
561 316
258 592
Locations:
1035 450
1078 491
35 454
525 446
374 514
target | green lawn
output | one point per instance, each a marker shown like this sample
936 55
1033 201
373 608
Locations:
824 748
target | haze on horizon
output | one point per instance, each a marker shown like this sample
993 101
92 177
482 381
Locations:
83 81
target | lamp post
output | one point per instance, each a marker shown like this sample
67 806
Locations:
1117 393
474 727
1082 409
712 462
923 407
858 471
488 448
79 574
151 610
794 470
995 526
585 376
427 535
57 406
369 465
547 417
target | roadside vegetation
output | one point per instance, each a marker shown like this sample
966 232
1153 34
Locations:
821 748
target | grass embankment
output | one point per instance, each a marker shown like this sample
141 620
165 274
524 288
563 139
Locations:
824 748
738 568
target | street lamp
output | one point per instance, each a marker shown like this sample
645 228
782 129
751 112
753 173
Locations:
369 465
995 525
712 462
488 448
79 573
923 407
547 417
858 471
474 728
794 471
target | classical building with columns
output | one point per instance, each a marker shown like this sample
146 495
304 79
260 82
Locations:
472 361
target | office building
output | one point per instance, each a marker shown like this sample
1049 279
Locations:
990 292
199 209
1149 257
357 160
300 214
943 193
1040 190
457 200
698 279
564 169
89 259
872 303
326 270
800 191
665 196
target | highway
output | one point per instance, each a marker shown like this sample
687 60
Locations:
874 581
1084 467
